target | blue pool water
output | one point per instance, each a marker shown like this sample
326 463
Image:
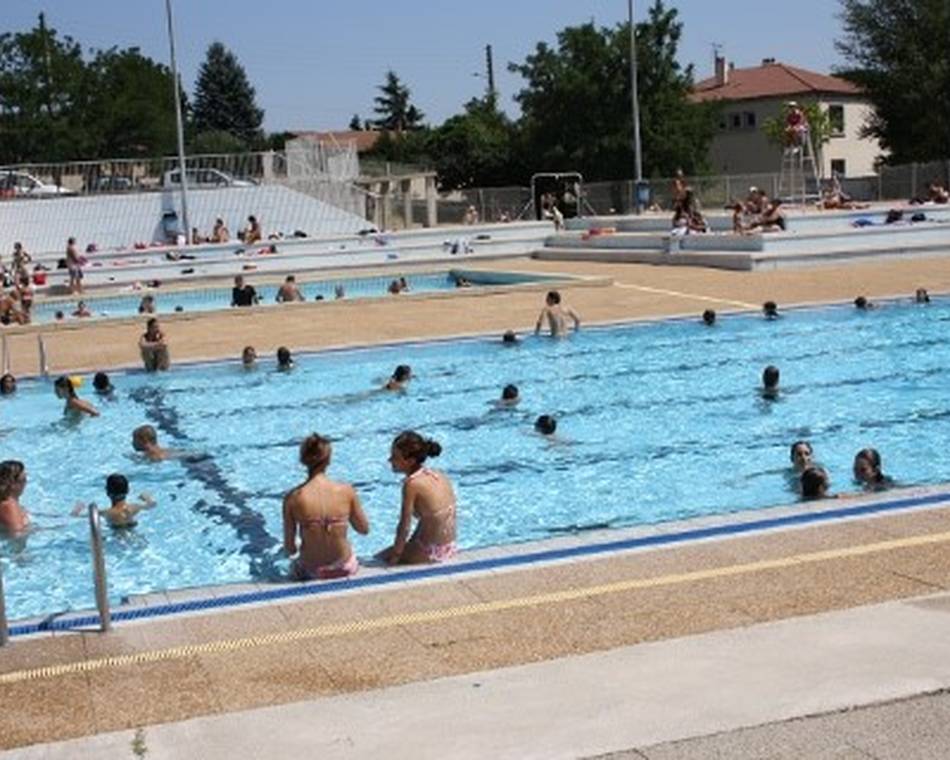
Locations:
211 299
657 421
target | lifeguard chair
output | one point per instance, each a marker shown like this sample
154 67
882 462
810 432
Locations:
798 177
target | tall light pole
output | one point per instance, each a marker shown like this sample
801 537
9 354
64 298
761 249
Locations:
182 174
635 103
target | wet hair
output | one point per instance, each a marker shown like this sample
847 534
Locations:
179 308
814 481
415 448
7 384
248 351
64 383
553 297
545 424
315 451
60 315
403 372
117 486
922 296
770 376
10 472
509 392
873 458
290 278
509 337
144 434
709 317
861 302
101 382
791 451
770 309
284 358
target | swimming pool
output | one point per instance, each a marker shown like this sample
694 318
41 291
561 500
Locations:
658 421
212 299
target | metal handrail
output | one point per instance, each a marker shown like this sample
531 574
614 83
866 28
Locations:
99 569
4 628
6 356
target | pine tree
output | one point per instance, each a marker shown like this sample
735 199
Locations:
224 99
355 124
393 108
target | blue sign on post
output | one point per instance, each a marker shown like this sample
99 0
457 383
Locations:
642 194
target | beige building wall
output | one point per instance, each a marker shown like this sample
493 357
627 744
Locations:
740 146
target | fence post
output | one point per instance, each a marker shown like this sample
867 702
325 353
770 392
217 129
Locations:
432 208
913 181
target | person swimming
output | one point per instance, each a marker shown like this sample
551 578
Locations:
145 441
7 385
801 454
921 295
770 377
862 304
510 338
400 378
428 496
814 484
546 425
75 406
320 509
509 397
709 317
868 473
248 357
285 361
102 384
770 310
121 514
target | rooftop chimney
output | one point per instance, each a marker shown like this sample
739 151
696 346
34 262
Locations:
722 73
768 61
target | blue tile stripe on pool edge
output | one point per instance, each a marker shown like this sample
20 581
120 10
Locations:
461 568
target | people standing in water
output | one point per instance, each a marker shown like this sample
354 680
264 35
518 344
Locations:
121 514
428 496
248 357
289 292
14 519
770 377
709 317
801 455
556 316
103 385
75 406
509 397
868 473
814 484
285 362
320 510
7 385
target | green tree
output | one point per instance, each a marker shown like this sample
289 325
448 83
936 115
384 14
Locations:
44 89
394 111
576 101
131 111
216 141
899 55
224 98
355 124
474 149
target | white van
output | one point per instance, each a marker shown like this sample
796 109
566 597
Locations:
18 184
204 178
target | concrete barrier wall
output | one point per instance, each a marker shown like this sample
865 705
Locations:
116 221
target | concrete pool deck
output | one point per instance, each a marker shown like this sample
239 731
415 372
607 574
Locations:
176 669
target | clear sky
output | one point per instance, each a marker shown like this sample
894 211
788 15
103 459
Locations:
315 63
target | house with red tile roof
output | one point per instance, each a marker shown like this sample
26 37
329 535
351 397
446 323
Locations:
750 96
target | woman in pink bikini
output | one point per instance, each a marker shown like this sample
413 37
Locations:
427 495
321 509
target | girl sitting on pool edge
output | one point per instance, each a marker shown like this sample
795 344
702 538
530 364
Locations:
427 495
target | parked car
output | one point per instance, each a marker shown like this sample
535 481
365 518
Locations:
23 185
204 178
111 184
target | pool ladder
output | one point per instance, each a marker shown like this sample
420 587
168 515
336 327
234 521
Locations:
99 577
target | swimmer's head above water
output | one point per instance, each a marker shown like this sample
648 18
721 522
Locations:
546 425
144 437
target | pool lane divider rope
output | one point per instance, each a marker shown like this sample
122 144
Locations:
452 569
228 646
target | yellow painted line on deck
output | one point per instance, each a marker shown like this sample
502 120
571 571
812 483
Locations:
462 611
680 294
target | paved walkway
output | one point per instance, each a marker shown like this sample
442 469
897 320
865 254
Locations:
639 696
